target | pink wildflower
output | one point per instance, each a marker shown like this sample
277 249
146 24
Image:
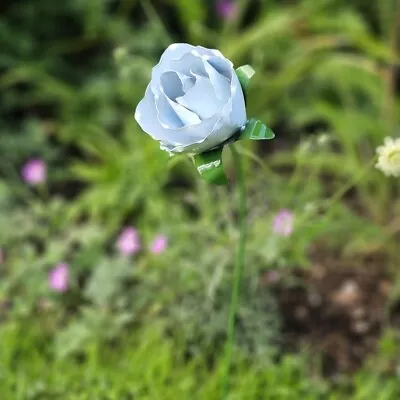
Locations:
34 172
283 223
227 9
159 244
59 277
128 242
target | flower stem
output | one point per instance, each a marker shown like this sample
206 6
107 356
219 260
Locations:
238 270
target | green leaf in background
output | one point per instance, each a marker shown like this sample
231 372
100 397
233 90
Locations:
210 167
256 130
245 73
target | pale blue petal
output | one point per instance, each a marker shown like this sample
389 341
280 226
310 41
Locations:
220 82
238 114
199 131
187 61
190 64
197 134
201 99
219 132
146 116
175 51
187 82
230 120
209 52
171 84
222 65
166 115
171 114
174 84
186 116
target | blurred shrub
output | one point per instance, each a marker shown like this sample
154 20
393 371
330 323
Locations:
71 74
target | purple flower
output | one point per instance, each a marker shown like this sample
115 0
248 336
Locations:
283 223
58 278
128 241
159 244
227 9
34 172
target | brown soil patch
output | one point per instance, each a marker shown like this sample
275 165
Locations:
336 308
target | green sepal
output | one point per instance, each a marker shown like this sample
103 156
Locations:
210 167
256 130
244 74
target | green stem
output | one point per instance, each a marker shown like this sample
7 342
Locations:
238 270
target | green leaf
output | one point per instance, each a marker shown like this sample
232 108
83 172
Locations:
256 130
244 74
210 167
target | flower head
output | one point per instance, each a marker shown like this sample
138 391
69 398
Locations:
159 244
227 9
128 242
194 101
283 223
59 277
389 157
34 172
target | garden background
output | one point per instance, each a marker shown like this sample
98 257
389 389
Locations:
116 261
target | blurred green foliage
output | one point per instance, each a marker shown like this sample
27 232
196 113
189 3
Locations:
154 367
71 74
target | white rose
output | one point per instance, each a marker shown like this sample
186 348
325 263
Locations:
194 101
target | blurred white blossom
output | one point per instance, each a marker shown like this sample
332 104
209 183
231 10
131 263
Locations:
389 157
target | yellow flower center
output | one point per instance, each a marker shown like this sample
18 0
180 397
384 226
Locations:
394 157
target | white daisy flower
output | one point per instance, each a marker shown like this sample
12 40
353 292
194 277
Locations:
389 157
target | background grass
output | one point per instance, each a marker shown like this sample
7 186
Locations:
152 327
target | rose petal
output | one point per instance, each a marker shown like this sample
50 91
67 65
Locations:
183 64
190 64
210 52
238 114
202 99
194 135
223 66
173 52
232 117
226 124
175 84
187 82
219 82
220 133
166 115
146 116
183 115
171 84
171 114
